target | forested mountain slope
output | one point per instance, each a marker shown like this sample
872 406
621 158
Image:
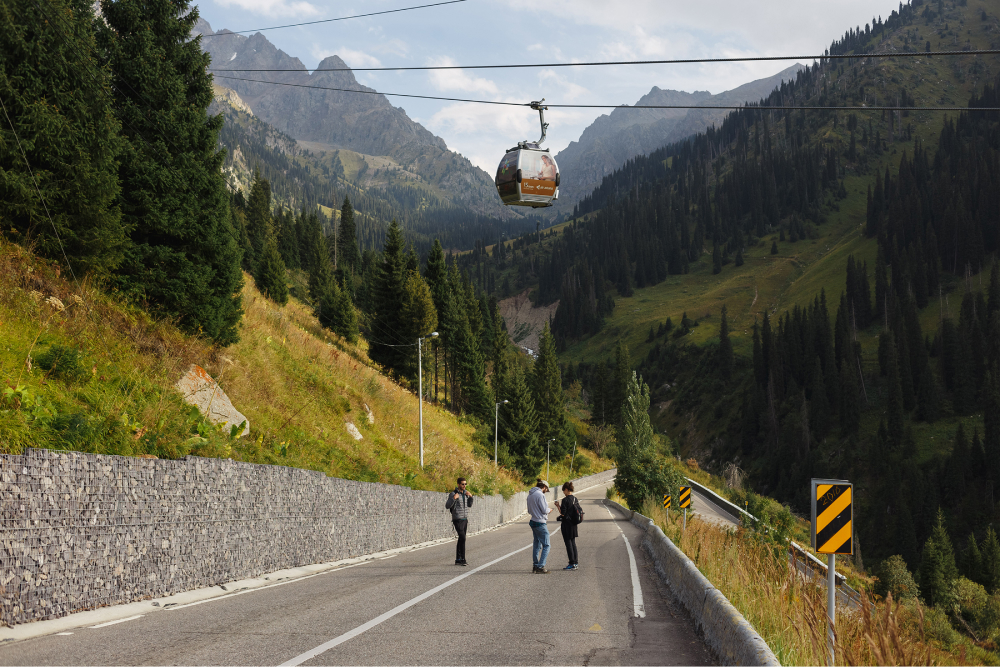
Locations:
854 256
613 139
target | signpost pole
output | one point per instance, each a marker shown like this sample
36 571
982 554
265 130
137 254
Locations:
685 518
831 602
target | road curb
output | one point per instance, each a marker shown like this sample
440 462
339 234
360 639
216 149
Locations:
725 629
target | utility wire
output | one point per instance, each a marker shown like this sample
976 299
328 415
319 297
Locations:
621 106
681 61
342 18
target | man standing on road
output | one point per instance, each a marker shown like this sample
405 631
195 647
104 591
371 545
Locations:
459 501
538 509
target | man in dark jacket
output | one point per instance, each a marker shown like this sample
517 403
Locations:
459 501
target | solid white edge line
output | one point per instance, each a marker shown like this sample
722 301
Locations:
262 588
120 620
637 604
326 646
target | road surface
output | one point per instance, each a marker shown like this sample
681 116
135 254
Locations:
418 608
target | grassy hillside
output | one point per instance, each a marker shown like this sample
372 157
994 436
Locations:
298 385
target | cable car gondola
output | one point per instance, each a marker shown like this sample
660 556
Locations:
528 174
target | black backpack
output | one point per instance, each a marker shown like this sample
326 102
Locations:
574 513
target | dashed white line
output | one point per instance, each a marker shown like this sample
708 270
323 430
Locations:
326 646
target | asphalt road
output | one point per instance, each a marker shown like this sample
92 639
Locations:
419 608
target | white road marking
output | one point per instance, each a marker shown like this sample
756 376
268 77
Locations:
322 648
637 604
64 634
120 620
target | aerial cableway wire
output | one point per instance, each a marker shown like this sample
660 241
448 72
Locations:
745 107
679 61
342 18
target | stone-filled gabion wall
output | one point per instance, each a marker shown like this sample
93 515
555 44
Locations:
79 531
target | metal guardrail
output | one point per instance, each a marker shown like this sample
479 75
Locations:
852 597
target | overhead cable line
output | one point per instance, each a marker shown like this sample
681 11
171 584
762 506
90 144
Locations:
621 106
342 18
683 61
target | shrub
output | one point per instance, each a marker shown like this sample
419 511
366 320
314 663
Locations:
63 362
894 578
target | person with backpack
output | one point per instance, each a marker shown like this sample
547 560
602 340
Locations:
459 501
571 514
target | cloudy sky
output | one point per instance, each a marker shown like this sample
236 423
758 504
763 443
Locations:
553 31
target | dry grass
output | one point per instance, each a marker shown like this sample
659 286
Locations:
298 385
789 611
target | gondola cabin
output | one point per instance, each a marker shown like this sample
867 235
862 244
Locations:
528 177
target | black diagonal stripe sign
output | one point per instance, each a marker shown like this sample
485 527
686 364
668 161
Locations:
833 517
666 501
684 499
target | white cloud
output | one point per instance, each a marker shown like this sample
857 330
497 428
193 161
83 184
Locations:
274 8
350 56
456 79
570 92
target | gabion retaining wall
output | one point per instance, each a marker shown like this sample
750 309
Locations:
80 531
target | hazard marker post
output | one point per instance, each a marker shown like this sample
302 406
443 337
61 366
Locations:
832 534
666 501
684 502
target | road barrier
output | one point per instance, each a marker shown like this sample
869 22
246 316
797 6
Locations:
725 629
80 531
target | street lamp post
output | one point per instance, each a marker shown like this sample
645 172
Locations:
496 432
420 389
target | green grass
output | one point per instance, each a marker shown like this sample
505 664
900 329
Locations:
297 384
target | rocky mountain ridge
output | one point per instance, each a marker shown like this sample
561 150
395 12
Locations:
342 114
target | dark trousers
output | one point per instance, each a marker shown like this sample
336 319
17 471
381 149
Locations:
571 549
460 527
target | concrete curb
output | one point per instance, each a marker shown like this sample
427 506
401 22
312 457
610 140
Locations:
725 629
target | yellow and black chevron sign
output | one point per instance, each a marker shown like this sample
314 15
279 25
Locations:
684 498
833 514
666 501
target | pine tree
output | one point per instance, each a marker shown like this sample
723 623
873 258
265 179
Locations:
57 97
521 426
549 400
725 348
270 277
850 400
183 258
348 257
937 564
258 221
640 474
972 561
418 316
387 322
991 561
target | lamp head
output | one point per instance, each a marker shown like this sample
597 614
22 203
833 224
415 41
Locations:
433 334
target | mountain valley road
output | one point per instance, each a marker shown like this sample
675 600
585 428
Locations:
418 608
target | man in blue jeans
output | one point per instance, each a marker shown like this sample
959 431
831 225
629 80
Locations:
538 509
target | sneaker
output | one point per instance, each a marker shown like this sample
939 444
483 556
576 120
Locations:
463 564
570 567
542 570
576 566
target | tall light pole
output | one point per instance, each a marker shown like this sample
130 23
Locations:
496 432
420 389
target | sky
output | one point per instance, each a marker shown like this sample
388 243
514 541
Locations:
484 32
